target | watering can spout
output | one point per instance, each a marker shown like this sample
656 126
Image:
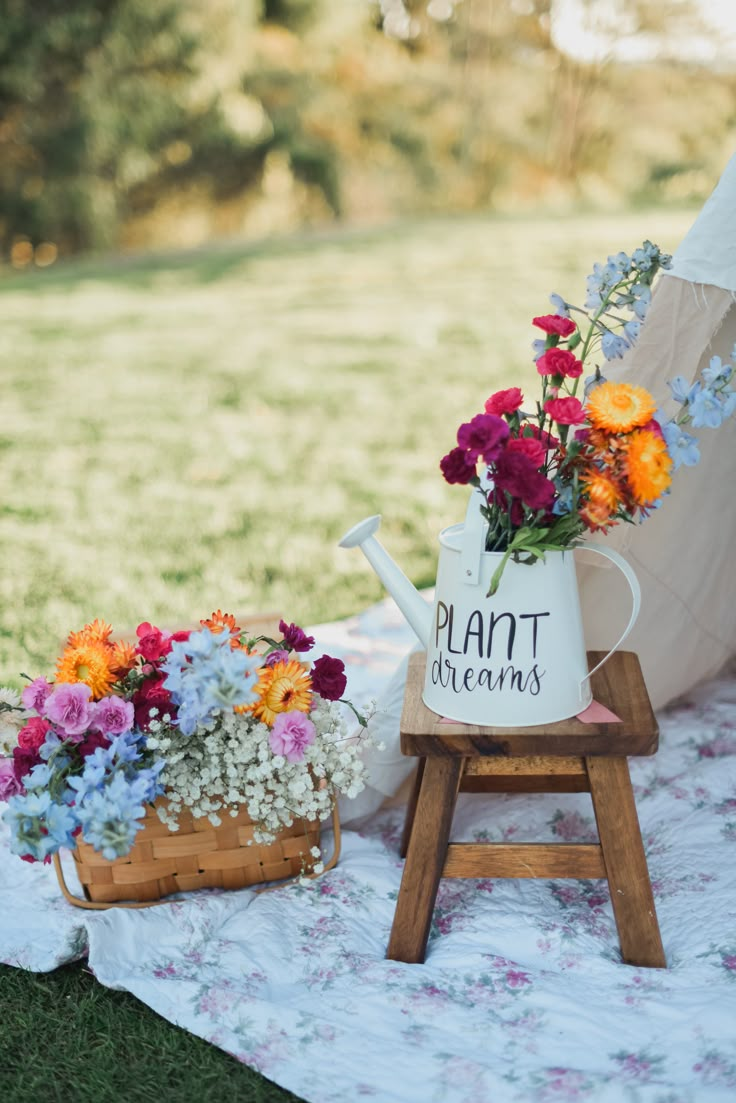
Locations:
408 599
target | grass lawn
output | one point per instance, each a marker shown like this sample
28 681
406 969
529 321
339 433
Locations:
197 431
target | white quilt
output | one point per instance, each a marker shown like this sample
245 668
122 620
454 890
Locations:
523 996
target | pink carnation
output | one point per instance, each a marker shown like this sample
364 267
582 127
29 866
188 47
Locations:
485 435
504 402
34 695
153 644
291 734
9 784
69 709
565 411
559 362
113 716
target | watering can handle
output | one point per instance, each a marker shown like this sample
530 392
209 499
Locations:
633 582
474 538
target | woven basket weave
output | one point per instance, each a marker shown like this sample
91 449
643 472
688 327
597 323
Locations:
198 855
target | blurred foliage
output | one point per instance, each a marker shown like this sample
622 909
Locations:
139 123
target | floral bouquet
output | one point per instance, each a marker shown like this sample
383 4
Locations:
211 720
582 462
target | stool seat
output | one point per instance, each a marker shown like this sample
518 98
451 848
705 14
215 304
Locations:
567 756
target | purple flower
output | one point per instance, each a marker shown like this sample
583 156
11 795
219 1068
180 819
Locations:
295 638
9 784
291 734
484 436
113 716
277 656
328 678
68 708
34 695
458 466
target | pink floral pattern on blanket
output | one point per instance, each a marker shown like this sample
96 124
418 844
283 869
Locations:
523 997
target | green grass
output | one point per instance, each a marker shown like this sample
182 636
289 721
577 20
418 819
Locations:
66 1039
186 432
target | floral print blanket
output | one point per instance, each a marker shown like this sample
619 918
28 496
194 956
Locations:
523 996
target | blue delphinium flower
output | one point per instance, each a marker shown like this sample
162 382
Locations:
27 816
682 391
717 371
707 409
561 307
642 295
682 446
612 345
205 674
112 815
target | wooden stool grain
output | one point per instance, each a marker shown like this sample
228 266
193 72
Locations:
568 756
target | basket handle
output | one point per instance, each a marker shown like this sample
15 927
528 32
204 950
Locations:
94 905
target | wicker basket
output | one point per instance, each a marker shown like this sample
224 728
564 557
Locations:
196 856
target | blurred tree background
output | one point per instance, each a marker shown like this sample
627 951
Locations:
144 124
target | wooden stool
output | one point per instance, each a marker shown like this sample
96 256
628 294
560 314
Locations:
566 757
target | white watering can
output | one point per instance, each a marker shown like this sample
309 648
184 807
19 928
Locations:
511 660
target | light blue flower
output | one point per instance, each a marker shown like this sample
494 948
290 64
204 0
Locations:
717 371
612 345
682 391
682 446
561 307
631 330
112 816
642 296
706 409
538 347
592 382
205 674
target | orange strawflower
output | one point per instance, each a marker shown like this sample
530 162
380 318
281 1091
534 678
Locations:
648 466
283 687
122 657
88 663
600 489
620 407
96 632
218 621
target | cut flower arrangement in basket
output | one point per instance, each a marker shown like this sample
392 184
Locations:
589 453
210 721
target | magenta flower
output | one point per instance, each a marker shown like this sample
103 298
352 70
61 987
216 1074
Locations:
112 715
68 708
458 467
518 476
291 734
34 695
295 638
484 436
328 678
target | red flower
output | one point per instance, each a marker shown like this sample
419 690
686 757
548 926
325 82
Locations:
33 734
457 466
151 695
559 362
533 449
555 323
328 678
91 742
23 762
545 439
518 476
153 644
565 411
484 436
504 402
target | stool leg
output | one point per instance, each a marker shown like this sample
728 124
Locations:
425 859
411 808
626 864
